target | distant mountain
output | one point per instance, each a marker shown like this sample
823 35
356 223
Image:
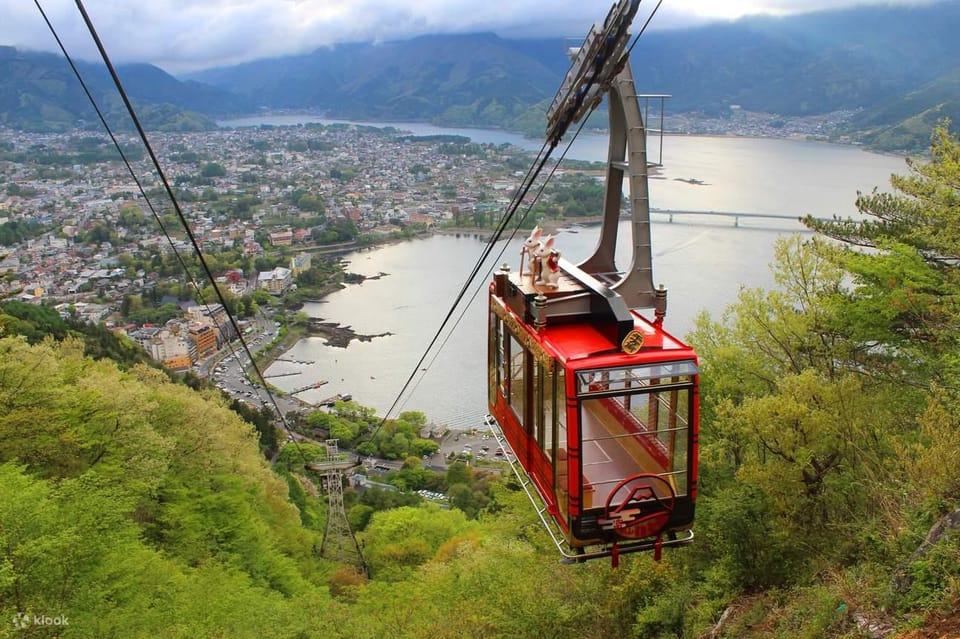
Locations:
39 92
821 62
894 65
905 122
478 80
806 64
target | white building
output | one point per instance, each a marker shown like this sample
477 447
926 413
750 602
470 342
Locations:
276 282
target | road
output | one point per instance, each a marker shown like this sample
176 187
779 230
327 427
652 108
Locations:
226 369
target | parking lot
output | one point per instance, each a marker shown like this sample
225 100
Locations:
475 446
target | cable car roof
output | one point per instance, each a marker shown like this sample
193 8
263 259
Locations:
573 342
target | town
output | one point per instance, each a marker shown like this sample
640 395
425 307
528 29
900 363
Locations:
101 242
270 207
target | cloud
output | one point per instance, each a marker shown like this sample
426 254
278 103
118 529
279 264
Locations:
183 35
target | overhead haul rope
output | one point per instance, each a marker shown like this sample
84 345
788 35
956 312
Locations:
532 173
503 249
522 191
170 193
518 198
116 144
642 29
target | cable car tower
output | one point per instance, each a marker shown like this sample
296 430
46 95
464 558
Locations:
339 543
598 402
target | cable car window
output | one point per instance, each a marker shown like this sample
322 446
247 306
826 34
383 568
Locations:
549 411
561 475
504 357
640 429
620 379
517 355
495 357
537 408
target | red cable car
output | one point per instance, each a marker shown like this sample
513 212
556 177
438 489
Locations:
598 403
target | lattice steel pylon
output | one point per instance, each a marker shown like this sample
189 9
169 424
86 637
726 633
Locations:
339 543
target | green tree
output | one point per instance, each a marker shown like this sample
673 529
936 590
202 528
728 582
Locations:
310 202
131 217
905 288
212 169
789 409
398 540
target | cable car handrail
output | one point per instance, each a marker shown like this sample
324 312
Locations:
646 432
549 523
635 390
603 482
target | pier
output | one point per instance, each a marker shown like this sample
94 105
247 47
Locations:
330 401
282 375
308 387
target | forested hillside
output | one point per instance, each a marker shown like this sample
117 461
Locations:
133 505
39 92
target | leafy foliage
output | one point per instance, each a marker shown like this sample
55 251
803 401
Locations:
826 413
139 491
135 506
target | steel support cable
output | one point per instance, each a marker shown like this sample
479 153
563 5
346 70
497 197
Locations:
488 249
116 143
496 237
503 249
515 204
498 233
130 170
642 29
176 205
518 199
484 255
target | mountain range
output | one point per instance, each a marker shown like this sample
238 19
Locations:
895 67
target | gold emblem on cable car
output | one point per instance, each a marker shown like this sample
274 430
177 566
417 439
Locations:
632 342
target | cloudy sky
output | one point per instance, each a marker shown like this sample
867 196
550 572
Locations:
184 35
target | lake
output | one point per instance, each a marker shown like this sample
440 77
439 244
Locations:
703 262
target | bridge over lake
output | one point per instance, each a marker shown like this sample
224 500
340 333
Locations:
736 216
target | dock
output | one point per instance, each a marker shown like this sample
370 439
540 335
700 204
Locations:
282 375
308 387
339 397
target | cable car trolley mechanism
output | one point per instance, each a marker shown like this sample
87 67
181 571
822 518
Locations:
597 402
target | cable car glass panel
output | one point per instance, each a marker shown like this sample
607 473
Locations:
495 358
548 411
635 419
518 358
562 478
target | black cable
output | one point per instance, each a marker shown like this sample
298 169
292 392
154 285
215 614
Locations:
517 227
515 204
116 144
643 28
176 206
521 193
133 175
518 199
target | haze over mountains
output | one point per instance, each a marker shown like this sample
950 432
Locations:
896 66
